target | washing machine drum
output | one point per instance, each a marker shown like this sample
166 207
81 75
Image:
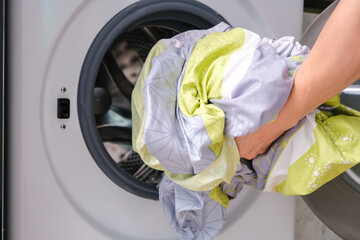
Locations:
108 76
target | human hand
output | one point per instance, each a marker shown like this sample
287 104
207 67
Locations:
258 142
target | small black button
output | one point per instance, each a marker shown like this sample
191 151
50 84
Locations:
63 108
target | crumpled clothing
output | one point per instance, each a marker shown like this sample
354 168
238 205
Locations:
186 101
192 214
321 146
181 103
199 90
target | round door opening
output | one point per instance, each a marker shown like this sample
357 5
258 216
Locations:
108 76
115 81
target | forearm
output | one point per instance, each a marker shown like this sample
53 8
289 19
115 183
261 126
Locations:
332 65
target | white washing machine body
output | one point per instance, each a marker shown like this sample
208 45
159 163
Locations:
56 190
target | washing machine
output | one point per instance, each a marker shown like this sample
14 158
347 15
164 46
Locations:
72 64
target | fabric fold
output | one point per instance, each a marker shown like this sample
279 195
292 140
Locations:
192 214
202 88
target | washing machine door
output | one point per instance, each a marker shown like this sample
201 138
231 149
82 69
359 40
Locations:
337 203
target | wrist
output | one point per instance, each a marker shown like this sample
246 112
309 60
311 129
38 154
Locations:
279 126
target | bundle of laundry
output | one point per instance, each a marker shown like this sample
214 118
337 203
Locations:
202 88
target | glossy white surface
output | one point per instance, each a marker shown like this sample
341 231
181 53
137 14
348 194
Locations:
56 189
273 19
